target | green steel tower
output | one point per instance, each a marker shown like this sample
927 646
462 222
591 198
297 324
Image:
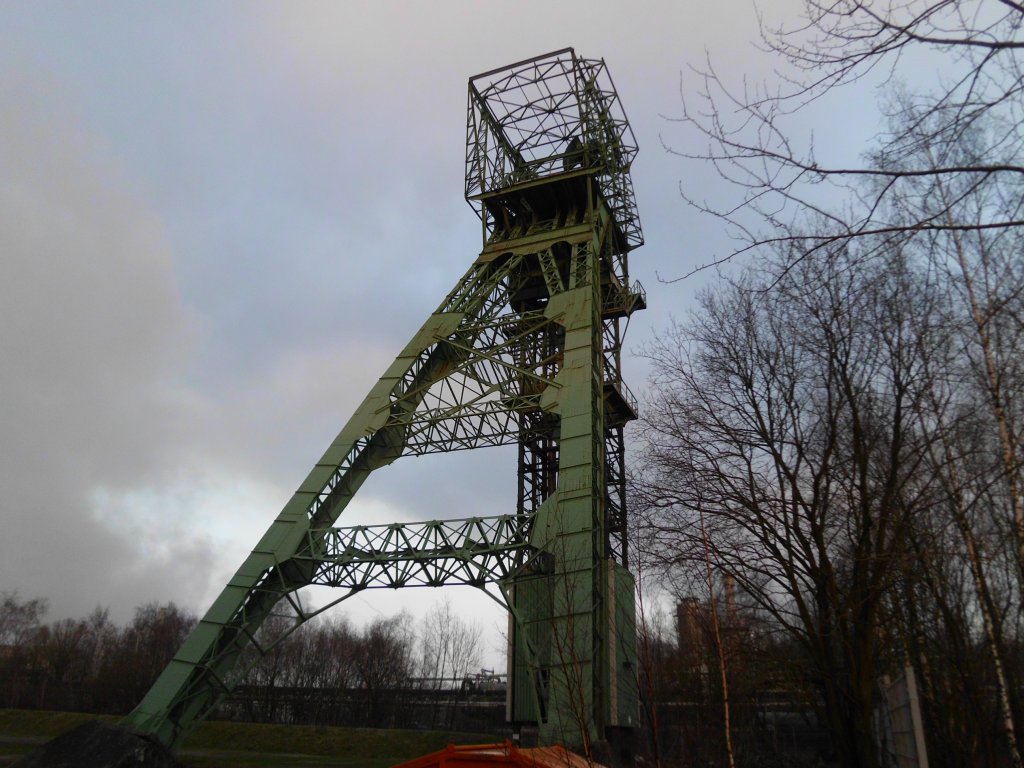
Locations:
525 350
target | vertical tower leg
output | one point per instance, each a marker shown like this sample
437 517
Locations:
576 528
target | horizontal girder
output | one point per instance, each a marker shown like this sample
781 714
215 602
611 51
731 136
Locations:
473 551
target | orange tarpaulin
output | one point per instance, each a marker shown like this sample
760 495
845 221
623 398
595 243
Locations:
499 754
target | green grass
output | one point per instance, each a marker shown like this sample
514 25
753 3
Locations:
252 745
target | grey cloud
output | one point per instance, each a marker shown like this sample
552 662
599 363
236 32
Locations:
90 327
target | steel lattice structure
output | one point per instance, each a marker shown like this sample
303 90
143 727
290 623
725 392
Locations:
525 350
474 552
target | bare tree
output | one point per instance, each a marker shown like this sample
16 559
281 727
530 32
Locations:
750 134
19 619
144 648
784 415
449 651
450 644
971 408
384 662
324 668
20 622
270 665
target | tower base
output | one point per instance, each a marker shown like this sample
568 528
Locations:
98 745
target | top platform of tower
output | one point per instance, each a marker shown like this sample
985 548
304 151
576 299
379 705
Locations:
552 118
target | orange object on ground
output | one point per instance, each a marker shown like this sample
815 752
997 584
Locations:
485 755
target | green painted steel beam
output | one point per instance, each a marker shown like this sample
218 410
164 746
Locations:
476 551
524 350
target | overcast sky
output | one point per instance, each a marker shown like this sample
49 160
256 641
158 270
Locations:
219 222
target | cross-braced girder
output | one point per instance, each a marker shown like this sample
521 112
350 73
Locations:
476 551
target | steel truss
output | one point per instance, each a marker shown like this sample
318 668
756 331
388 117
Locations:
476 552
525 350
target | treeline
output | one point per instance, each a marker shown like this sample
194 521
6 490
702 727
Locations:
839 433
86 665
393 671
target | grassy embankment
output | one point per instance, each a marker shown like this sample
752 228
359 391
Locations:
249 745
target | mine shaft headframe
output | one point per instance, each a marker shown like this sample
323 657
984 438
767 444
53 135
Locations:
556 114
